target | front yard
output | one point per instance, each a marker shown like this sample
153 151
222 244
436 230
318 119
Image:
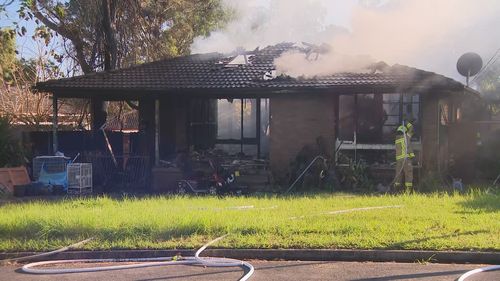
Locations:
431 222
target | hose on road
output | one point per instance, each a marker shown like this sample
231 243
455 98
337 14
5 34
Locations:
143 262
478 270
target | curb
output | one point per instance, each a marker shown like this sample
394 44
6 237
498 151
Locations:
459 257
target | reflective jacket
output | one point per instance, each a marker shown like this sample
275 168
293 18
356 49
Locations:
403 147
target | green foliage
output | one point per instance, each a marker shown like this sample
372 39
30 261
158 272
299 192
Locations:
489 81
11 152
144 30
7 54
431 182
488 159
435 221
356 176
4 4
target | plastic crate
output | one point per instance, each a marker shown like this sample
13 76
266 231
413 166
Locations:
51 165
79 178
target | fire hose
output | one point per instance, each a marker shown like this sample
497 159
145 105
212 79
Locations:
143 262
478 270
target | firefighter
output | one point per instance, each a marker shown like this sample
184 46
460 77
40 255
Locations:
404 156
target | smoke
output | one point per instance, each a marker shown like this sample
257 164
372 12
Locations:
297 64
266 22
426 34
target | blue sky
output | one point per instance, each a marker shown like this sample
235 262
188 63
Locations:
26 46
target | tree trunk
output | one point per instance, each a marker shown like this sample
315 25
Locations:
108 23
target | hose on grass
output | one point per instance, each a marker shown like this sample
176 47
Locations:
142 262
27 258
478 270
348 211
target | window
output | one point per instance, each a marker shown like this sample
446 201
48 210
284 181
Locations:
242 126
374 118
370 118
346 119
444 113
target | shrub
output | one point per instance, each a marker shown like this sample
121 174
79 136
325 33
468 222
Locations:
11 152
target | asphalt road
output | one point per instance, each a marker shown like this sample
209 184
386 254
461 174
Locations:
273 270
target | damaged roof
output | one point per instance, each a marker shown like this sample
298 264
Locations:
216 71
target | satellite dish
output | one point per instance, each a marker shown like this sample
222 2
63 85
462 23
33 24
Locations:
469 64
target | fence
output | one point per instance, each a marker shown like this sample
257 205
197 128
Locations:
129 173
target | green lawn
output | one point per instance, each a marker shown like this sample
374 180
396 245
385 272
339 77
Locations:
433 222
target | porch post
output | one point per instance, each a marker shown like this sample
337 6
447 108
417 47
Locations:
157 132
258 126
55 142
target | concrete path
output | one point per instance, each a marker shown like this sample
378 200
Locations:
273 270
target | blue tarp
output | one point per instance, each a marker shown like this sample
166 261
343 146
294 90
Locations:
60 179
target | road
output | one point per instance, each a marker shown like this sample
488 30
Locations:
273 270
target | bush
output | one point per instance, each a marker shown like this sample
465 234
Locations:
432 182
488 161
356 177
11 152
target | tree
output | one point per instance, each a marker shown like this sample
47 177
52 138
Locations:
17 102
109 34
11 153
7 54
489 81
4 4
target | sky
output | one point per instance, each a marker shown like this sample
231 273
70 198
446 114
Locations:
428 34
26 46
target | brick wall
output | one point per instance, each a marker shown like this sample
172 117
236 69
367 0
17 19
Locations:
430 115
296 121
449 149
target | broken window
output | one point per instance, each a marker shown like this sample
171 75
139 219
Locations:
370 118
347 121
445 115
229 119
367 124
374 118
202 123
242 126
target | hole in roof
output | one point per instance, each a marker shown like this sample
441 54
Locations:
239 60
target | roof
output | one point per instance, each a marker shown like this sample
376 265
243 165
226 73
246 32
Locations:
213 71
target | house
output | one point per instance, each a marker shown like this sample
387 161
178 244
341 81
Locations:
187 102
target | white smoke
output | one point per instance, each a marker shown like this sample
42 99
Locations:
428 34
266 22
298 64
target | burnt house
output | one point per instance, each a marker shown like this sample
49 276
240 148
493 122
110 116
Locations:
238 104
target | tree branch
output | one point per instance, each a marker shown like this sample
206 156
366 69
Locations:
61 29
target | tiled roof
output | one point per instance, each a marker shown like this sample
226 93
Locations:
211 71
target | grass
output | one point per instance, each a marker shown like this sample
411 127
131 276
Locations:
431 222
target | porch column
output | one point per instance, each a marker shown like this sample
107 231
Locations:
258 125
55 142
98 114
157 132
147 128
